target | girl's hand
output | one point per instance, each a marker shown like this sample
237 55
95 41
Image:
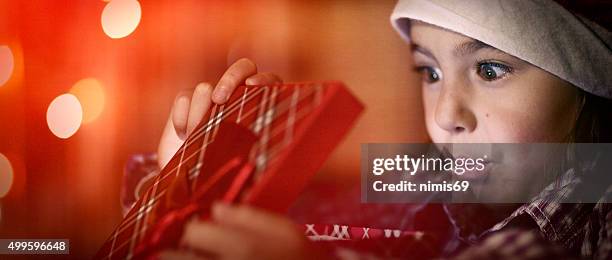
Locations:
242 232
191 105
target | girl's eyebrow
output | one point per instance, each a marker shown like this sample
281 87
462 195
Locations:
461 49
471 46
418 48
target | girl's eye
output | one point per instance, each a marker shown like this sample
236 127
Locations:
429 74
490 71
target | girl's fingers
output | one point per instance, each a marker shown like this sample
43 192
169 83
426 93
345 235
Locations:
243 232
169 143
214 239
254 220
180 112
263 79
191 105
200 103
179 255
234 76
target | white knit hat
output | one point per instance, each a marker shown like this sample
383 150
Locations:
540 32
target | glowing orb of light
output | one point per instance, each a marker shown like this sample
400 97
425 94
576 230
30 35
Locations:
90 93
7 64
120 18
64 115
6 175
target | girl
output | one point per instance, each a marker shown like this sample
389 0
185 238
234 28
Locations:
492 72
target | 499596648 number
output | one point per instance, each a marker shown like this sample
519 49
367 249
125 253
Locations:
34 246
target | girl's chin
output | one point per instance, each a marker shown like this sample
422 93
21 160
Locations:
477 177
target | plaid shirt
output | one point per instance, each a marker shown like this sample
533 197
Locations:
580 230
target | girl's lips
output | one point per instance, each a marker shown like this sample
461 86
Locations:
485 158
474 174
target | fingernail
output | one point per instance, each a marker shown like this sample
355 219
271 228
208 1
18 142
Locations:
182 104
200 87
183 101
208 88
160 256
187 232
250 81
220 95
220 209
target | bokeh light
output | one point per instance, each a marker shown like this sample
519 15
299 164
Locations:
120 18
64 115
6 175
90 94
7 64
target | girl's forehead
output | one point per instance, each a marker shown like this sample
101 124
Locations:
420 31
433 41
428 38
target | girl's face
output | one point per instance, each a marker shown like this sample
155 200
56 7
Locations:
474 93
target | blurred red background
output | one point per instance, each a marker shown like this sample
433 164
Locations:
69 188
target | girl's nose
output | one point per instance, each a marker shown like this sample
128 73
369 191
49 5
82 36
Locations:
452 113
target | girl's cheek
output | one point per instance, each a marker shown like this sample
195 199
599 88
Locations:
510 131
522 128
520 118
437 134
495 127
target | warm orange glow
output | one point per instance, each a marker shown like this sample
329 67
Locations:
6 64
120 18
6 175
90 93
64 115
